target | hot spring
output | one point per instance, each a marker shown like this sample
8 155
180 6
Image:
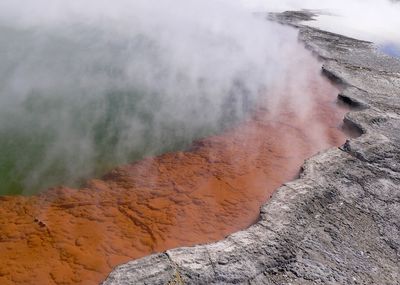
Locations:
81 96
130 128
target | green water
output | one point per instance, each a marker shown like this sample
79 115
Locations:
55 141
77 100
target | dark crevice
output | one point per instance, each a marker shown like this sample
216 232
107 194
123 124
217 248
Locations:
352 102
352 129
334 78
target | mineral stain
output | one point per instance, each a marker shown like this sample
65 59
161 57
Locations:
70 236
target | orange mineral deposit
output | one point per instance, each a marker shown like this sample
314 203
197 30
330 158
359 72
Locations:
77 236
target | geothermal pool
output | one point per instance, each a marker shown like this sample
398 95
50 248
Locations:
163 131
180 198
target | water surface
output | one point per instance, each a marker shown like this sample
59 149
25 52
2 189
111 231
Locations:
70 236
391 49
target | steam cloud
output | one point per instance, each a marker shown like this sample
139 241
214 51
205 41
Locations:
372 20
87 85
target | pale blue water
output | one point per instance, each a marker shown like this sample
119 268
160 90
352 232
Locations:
391 49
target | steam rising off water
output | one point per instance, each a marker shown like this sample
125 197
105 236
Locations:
65 236
86 86
371 20
82 91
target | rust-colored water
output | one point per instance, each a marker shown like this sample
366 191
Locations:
66 236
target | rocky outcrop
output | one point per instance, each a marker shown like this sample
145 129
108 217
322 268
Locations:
339 223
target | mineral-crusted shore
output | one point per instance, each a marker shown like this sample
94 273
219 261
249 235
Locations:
339 223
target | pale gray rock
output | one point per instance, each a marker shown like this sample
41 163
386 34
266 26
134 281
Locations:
339 223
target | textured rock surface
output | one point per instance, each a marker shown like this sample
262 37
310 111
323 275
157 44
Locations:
340 222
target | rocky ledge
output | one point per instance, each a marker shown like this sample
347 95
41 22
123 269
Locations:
339 223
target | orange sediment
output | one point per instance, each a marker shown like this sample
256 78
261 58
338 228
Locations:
65 236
